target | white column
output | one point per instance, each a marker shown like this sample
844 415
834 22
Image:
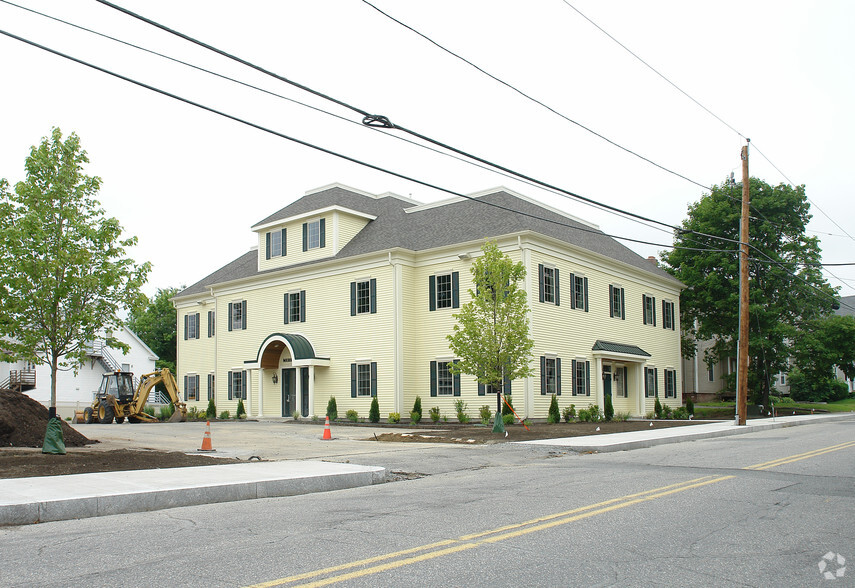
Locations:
260 392
598 380
311 390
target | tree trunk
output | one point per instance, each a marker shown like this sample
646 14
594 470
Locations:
53 369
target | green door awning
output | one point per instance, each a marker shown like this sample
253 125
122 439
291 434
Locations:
610 347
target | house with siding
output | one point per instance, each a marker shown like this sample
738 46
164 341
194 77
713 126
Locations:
350 294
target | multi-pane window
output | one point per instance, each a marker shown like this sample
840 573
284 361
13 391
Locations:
191 387
579 299
443 291
548 282
212 323
295 307
237 384
711 374
191 325
211 388
668 315
550 375
237 315
670 383
363 379
581 381
313 234
616 302
619 378
275 244
363 297
649 309
651 385
444 379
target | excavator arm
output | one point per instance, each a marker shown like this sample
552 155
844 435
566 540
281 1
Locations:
147 384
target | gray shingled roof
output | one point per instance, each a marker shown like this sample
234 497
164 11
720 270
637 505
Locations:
847 306
437 226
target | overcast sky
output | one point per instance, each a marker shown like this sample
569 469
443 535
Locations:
190 184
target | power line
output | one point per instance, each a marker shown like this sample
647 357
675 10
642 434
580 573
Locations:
532 99
334 153
315 108
381 121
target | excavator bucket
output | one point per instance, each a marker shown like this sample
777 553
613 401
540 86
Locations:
179 416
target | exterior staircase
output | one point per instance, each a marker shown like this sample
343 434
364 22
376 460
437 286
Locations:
19 381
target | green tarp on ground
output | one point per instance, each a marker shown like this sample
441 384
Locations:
54 441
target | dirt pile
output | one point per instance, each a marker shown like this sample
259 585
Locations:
23 422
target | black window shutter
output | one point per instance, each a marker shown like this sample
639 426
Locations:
558 376
433 378
372 286
622 305
284 240
656 381
186 379
373 376
482 389
455 289
287 308
664 314
611 300
305 236
243 315
543 374
432 291
267 246
231 385
540 281
456 381
210 320
186 326
574 385
644 309
353 299
572 291
244 385
229 320
198 327
585 282
302 306
587 378
557 289
654 312
353 380
323 232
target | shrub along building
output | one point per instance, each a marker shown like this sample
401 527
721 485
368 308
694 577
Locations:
350 294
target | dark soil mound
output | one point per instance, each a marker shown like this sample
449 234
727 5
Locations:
23 423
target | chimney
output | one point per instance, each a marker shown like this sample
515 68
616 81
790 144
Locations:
652 260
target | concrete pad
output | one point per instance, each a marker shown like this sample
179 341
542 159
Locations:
54 498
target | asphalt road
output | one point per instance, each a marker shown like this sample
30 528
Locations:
761 509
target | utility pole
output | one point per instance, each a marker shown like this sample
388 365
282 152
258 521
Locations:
742 359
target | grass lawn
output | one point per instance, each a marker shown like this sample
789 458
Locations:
723 409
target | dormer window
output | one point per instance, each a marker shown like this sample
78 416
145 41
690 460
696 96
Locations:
276 241
314 234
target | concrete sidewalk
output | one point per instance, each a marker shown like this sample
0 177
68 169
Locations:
641 439
55 498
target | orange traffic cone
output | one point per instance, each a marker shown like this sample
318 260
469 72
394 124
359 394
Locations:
327 434
206 440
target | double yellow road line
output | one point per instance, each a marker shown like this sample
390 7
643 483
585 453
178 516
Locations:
390 561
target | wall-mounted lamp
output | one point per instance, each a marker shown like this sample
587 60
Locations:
275 378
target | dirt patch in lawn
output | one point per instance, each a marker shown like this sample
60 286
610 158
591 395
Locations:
25 463
479 434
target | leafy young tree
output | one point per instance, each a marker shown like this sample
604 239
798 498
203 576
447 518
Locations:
786 287
65 274
491 335
155 323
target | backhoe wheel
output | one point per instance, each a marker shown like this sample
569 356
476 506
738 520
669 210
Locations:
120 420
88 415
106 414
133 419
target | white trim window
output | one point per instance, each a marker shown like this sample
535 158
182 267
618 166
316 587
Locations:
648 309
668 321
617 303
548 284
670 383
444 379
363 379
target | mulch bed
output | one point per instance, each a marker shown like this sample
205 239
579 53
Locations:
479 434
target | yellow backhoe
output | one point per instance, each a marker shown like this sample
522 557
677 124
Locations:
117 399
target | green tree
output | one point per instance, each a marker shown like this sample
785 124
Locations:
822 345
155 323
786 286
374 411
491 334
65 274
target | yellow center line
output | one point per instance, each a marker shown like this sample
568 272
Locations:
799 456
471 541
465 542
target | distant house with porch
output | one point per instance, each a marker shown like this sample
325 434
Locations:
351 294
